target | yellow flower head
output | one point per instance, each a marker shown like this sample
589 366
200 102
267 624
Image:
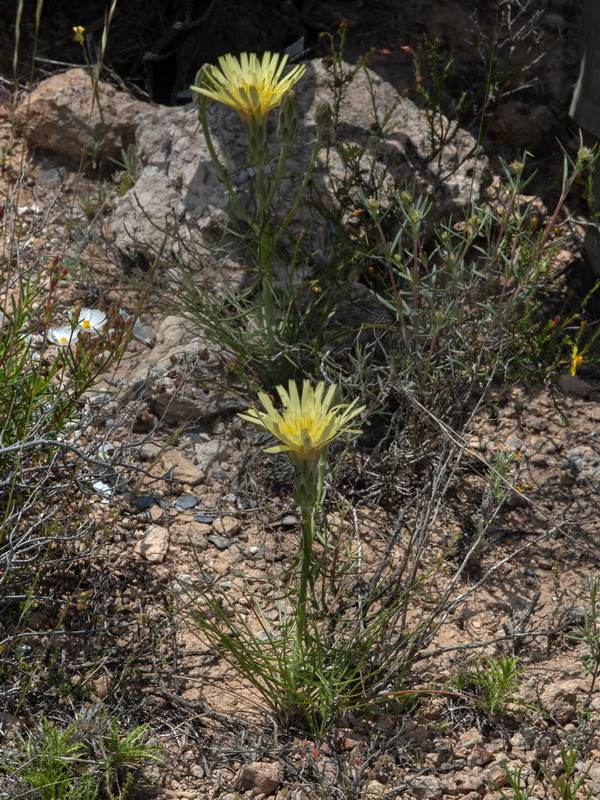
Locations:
576 361
79 30
308 423
251 86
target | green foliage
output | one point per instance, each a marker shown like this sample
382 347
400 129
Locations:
449 305
344 649
558 781
126 175
495 683
563 780
44 390
44 517
588 632
92 759
444 120
516 784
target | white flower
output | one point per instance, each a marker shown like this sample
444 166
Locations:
91 319
94 322
63 335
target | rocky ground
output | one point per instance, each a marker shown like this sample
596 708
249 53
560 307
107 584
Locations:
186 487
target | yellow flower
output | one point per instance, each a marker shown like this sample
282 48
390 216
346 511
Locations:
251 86
79 30
308 423
576 361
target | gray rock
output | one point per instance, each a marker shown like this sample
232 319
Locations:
177 167
187 501
522 124
144 502
52 176
584 464
212 453
426 787
575 386
167 377
514 443
222 542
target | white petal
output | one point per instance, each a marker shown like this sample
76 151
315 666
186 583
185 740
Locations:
62 336
138 330
91 319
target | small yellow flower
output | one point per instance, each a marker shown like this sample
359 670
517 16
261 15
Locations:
308 423
576 361
251 86
79 30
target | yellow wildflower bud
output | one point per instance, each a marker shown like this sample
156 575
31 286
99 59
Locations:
289 114
323 115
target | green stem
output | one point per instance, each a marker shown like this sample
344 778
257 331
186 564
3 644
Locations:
265 252
300 194
306 546
222 173
283 156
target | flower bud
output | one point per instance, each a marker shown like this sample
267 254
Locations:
289 114
323 115
258 151
200 99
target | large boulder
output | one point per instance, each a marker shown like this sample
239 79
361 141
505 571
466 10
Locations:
178 202
178 191
63 115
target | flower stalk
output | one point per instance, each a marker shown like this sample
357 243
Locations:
308 424
253 87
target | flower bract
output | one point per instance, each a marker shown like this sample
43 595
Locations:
308 423
250 85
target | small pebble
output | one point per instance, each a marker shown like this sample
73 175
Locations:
144 502
512 441
219 541
102 488
187 501
201 517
